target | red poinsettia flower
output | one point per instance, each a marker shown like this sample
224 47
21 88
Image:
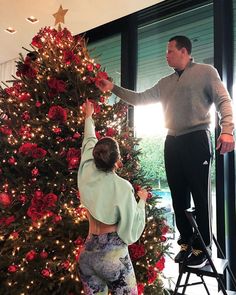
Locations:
73 158
69 57
140 288
57 113
152 274
25 116
57 85
98 135
24 96
9 220
40 205
39 153
5 199
5 130
27 148
36 41
136 251
111 132
5 221
160 265
100 76
26 70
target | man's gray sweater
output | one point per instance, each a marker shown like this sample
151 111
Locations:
187 99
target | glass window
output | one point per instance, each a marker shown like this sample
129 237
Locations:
234 30
197 24
107 53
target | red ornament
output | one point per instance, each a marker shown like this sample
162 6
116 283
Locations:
56 130
43 254
15 235
57 218
163 238
5 199
90 67
65 264
46 272
12 161
22 198
76 135
73 163
31 255
79 241
12 268
35 172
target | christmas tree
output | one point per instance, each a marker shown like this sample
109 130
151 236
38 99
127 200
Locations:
42 224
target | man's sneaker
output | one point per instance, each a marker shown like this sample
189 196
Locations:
197 259
185 250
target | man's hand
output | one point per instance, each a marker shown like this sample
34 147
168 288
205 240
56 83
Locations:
89 108
104 85
225 143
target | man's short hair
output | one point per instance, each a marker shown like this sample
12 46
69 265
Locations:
182 42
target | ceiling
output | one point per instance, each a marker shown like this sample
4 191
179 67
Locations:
82 15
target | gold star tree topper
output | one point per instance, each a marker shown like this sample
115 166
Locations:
59 15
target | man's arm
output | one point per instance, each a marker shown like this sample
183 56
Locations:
223 103
148 96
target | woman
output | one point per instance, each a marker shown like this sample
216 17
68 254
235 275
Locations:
115 218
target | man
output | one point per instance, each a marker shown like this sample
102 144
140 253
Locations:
186 96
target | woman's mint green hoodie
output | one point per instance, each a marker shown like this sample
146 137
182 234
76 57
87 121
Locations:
108 197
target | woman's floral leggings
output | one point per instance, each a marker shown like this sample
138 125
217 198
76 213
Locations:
105 264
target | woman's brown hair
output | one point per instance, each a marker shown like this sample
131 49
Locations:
106 153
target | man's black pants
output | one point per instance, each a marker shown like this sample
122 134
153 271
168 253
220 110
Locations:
187 161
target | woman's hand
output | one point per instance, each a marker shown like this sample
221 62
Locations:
89 108
143 194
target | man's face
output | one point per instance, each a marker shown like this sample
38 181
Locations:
174 56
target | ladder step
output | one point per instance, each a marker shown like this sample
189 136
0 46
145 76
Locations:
220 265
228 292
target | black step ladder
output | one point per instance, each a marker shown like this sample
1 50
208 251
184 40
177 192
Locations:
216 268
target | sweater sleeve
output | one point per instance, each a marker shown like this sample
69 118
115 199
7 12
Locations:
222 101
89 141
132 218
148 96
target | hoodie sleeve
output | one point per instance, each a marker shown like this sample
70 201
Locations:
89 141
132 218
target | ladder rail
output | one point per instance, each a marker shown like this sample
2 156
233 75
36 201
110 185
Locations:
183 268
